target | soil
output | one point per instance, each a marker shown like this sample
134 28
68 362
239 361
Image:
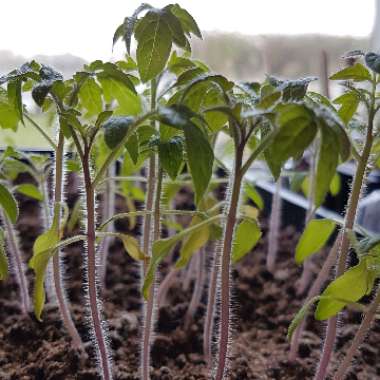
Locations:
263 306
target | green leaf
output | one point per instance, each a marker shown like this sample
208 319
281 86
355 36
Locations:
8 203
254 195
15 97
200 157
154 43
357 72
187 21
43 249
131 245
3 257
90 95
115 129
129 103
327 163
372 60
171 155
30 190
247 235
193 243
162 247
132 146
314 237
296 131
175 27
9 118
347 288
335 185
349 104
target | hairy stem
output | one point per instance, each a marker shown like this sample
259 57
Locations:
314 290
198 288
149 310
96 317
108 212
58 284
274 227
231 212
18 264
211 300
359 337
348 224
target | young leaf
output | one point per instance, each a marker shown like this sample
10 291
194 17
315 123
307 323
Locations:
349 287
131 245
30 190
247 235
3 257
43 250
90 95
154 44
8 203
313 238
357 73
349 104
115 129
171 155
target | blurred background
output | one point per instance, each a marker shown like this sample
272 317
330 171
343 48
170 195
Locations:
242 39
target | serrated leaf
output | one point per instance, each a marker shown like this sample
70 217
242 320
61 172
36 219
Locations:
154 43
4 271
314 237
115 129
175 27
171 155
30 190
247 235
90 96
187 21
357 73
8 203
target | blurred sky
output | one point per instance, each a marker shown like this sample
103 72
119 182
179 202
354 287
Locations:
85 28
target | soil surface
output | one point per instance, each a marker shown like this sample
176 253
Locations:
263 306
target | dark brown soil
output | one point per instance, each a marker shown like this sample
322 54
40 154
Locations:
263 306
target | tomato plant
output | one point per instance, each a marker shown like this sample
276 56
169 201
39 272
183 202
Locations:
152 123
